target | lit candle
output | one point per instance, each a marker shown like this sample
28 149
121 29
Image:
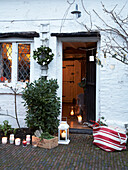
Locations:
4 140
63 134
28 139
11 138
34 141
24 143
72 113
79 118
17 141
34 145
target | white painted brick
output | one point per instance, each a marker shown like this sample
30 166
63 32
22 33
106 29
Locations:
7 106
22 15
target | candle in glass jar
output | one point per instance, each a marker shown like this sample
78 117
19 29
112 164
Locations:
4 140
79 119
28 139
11 138
17 141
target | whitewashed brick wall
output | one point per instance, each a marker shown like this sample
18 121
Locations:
28 15
7 106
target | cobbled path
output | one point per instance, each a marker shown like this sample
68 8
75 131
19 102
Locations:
80 154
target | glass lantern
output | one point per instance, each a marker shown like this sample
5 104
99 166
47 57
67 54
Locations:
63 133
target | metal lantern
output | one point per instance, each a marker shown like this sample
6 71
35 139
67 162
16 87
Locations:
63 133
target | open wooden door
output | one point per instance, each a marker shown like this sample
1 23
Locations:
90 93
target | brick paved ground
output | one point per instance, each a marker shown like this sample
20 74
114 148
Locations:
79 154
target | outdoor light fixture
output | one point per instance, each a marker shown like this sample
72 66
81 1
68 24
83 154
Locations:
91 58
76 12
63 133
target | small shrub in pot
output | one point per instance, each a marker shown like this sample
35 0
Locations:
43 105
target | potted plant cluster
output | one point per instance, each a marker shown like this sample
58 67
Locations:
43 108
5 130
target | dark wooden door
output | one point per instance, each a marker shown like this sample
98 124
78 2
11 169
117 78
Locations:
90 93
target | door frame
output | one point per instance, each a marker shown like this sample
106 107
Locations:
59 63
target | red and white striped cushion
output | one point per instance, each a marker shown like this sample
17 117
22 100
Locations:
109 139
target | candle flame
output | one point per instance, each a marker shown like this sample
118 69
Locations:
72 113
79 118
63 134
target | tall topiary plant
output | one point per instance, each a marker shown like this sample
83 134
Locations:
43 105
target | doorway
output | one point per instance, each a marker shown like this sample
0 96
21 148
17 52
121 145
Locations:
79 82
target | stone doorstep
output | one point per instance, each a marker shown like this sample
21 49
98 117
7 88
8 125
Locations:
81 131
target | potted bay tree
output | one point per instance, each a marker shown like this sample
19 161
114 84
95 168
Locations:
43 109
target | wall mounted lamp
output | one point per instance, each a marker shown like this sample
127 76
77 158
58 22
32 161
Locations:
76 12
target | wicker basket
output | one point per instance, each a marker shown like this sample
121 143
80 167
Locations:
45 143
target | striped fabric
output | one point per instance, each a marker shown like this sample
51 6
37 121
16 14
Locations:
109 139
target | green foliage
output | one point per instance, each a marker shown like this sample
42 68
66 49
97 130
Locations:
14 130
98 61
43 55
43 105
46 135
83 83
102 121
6 127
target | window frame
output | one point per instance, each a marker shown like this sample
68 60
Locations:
15 42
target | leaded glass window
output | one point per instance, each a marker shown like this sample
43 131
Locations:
14 62
23 62
5 62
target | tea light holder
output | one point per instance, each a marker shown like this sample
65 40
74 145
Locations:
24 142
17 141
4 140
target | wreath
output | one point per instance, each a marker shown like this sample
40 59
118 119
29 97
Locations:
43 55
83 83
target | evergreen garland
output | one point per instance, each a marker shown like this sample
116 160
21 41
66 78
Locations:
43 55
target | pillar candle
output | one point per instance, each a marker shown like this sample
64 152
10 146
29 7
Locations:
4 140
